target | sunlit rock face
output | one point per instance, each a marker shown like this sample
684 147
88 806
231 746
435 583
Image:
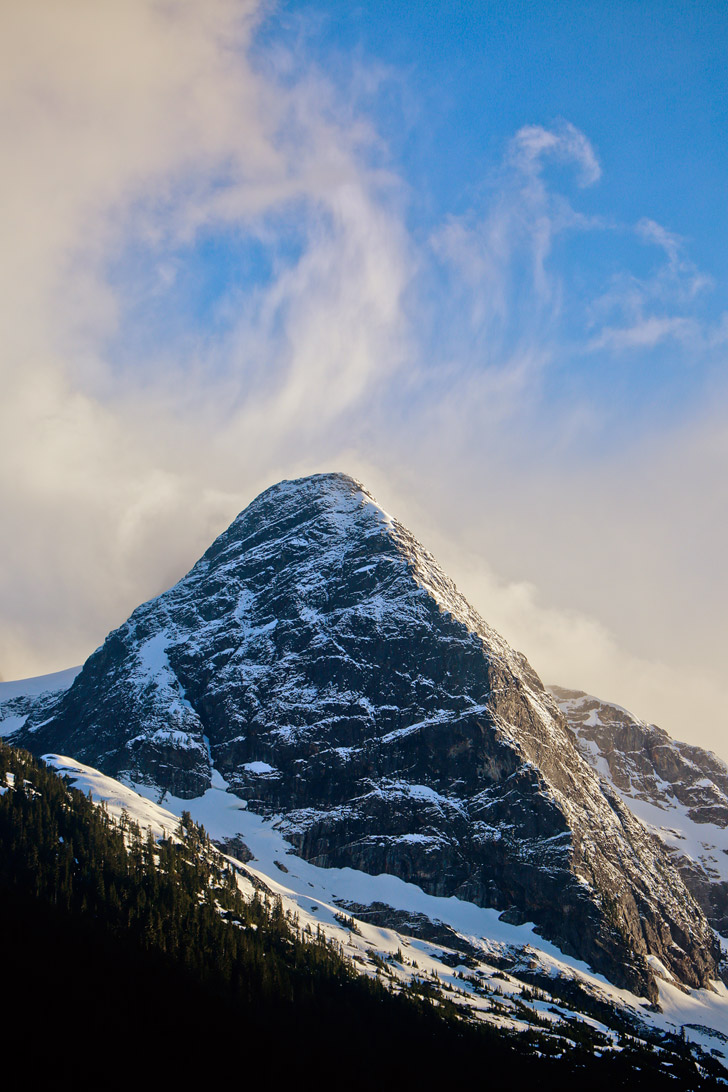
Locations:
319 658
678 789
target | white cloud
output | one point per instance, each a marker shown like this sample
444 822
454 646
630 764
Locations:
501 260
646 333
686 278
533 144
651 309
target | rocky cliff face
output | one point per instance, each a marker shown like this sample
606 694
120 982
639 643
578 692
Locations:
318 657
679 790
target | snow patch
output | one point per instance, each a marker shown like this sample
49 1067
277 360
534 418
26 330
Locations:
259 768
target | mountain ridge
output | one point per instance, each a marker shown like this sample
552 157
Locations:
678 789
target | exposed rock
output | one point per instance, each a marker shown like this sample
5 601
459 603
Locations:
234 847
319 658
411 924
678 789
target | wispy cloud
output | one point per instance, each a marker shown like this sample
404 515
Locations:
688 280
499 258
641 312
533 145
645 333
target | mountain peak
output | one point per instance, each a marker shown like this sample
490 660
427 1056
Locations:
335 502
320 661
325 488
325 481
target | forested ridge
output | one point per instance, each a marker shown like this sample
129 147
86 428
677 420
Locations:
110 939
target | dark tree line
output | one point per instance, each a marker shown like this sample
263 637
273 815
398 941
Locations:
115 946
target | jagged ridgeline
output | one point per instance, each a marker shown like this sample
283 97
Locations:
680 789
141 959
321 661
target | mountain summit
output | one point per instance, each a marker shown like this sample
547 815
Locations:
322 662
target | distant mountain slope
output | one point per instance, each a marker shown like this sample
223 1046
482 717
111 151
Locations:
18 698
322 662
679 790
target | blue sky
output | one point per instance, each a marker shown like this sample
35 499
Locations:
645 81
647 84
445 87
473 253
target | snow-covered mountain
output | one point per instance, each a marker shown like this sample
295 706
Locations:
678 790
19 698
319 661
